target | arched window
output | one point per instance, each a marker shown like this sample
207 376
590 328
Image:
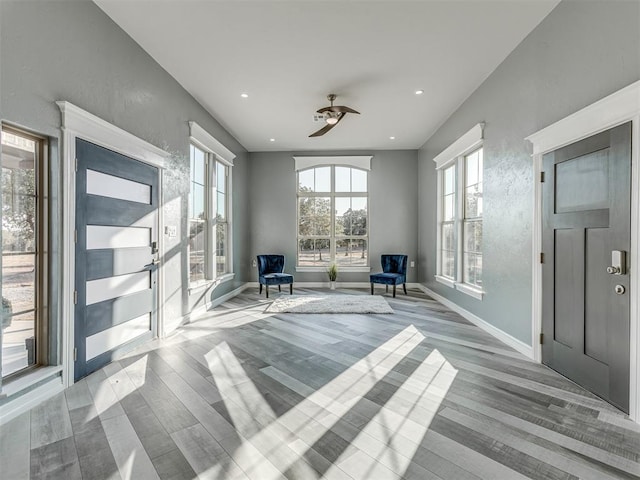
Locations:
333 216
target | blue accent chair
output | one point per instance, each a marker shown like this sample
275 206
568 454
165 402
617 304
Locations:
394 272
271 272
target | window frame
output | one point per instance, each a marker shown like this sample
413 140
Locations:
361 163
455 156
42 321
215 153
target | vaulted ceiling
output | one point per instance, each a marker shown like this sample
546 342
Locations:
286 56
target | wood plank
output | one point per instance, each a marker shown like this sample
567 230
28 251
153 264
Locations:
254 464
50 422
56 460
130 456
172 414
78 395
15 447
104 398
95 457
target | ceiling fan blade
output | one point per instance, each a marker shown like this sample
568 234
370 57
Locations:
327 127
338 109
323 130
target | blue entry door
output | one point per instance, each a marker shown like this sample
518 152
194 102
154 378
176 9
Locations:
115 256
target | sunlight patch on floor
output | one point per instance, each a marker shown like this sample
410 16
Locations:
257 422
405 414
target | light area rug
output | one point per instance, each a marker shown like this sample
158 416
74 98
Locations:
329 304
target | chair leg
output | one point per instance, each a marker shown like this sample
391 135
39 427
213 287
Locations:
404 286
386 289
371 288
291 289
279 288
266 287
260 289
394 291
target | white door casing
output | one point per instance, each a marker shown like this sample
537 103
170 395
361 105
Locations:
618 108
78 123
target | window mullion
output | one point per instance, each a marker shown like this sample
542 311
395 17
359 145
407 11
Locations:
209 254
439 219
332 230
459 218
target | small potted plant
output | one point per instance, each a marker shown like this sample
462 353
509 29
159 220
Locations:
333 274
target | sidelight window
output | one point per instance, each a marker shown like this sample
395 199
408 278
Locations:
24 248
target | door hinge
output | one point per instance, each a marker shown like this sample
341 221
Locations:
541 257
75 236
541 177
76 164
75 354
541 338
75 297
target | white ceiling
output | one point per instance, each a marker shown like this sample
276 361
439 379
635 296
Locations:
288 55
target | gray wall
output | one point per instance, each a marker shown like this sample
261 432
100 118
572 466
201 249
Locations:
580 53
71 50
393 212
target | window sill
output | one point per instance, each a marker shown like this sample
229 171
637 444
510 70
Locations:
29 379
465 288
445 281
475 292
205 285
340 269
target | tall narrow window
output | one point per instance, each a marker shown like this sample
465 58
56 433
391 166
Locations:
197 216
460 210
447 225
210 212
221 219
23 250
208 217
333 217
472 222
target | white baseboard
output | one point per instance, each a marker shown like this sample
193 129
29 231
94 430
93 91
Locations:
202 309
27 401
338 285
518 345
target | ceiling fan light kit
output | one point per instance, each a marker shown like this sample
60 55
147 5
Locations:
333 115
332 119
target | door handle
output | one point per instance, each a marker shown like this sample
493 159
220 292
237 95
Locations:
618 262
152 266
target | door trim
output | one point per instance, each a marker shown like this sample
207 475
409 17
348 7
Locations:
78 123
618 108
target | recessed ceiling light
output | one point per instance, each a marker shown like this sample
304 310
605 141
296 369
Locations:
272 139
419 92
392 138
244 95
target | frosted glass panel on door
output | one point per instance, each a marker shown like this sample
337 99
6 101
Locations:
110 186
112 287
583 183
101 236
115 336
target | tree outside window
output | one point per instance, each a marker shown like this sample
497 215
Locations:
332 216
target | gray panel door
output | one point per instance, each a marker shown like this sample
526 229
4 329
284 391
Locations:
116 238
586 216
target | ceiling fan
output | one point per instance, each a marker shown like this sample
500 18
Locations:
333 114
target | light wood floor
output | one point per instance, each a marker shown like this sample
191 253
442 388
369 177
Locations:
419 394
